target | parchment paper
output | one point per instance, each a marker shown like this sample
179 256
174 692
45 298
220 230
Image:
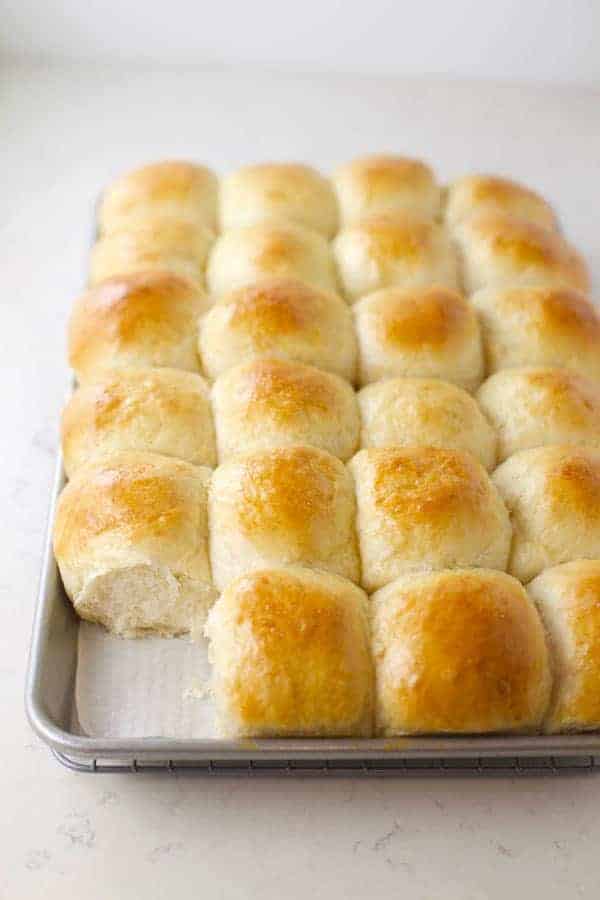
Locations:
148 687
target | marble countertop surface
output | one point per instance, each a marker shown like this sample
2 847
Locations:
65 132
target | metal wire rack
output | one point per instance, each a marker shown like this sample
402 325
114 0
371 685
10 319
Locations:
462 766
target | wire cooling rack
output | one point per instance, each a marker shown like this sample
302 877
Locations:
462 766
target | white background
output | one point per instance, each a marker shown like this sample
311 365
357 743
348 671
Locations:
549 40
65 131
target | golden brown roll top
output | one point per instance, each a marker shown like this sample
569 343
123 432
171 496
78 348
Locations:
281 507
377 184
459 652
269 403
290 649
420 332
278 191
171 189
499 250
279 317
241 256
537 406
568 598
131 542
553 496
160 245
165 411
141 320
411 411
394 249
423 508
476 194
542 326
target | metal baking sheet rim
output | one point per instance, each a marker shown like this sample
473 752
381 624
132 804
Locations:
75 747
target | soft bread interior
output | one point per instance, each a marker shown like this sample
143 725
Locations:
145 599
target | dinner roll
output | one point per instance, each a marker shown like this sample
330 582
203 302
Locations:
161 245
291 657
274 403
499 250
459 652
532 407
568 598
539 326
177 190
283 506
423 508
130 539
387 250
280 317
243 255
553 496
412 411
284 191
141 320
385 184
419 331
474 194
162 410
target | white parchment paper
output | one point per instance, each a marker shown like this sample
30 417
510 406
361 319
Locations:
149 687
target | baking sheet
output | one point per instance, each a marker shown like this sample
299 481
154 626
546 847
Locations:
139 688
92 695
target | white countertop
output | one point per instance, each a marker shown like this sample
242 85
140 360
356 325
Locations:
64 133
